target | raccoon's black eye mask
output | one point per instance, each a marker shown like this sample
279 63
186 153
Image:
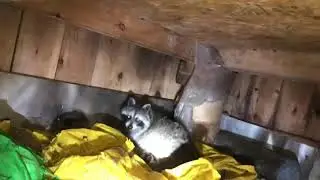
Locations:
126 117
139 123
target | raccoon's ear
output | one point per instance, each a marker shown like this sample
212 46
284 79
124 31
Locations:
131 101
147 108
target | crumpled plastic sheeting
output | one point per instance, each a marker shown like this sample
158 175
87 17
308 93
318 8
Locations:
19 162
104 153
227 166
33 139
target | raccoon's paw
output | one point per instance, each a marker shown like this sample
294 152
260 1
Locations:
151 158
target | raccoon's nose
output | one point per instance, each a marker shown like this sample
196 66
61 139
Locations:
128 124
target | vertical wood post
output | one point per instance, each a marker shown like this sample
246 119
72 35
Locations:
201 103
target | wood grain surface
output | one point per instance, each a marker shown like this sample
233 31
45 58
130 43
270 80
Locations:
238 99
78 54
39 45
264 37
126 67
294 105
264 100
9 24
278 104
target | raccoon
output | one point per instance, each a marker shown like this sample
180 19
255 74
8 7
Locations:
162 142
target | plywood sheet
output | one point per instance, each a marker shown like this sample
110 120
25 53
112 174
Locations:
78 55
39 45
9 24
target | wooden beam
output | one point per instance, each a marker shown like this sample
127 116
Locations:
264 37
288 64
284 24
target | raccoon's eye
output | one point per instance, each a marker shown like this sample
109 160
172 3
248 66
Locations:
139 122
129 117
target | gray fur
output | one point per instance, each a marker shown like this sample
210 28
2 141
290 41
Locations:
153 132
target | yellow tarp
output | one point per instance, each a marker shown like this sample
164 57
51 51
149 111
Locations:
104 153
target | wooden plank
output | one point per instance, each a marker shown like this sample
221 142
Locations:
254 99
39 45
237 102
312 130
115 66
185 70
264 100
78 55
276 103
9 23
163 83
126 67
268 48
293 107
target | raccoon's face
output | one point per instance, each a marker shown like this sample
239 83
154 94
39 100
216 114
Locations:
137 119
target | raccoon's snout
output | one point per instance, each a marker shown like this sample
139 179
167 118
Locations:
129 125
